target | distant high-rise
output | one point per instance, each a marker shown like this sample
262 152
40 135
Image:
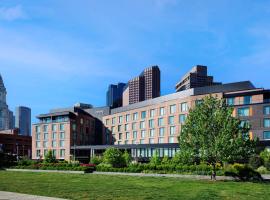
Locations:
4 111
23 120
196 77
143 87
11 120
114 95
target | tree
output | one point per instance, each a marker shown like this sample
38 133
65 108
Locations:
155 159
49 157
127 158
211 134
114 157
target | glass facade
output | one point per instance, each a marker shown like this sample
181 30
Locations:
247 99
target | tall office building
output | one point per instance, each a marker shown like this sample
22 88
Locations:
114 95
145 86
196 77
23 120
11 120
4 111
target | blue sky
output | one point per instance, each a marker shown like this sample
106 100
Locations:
56 53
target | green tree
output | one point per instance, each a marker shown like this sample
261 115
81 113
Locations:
127 158
211 134
49 157
155 159
114 157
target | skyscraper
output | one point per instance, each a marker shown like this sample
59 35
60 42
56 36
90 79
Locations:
114 95
143 87
23 120
4 111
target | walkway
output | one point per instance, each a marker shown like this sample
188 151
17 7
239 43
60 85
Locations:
18 196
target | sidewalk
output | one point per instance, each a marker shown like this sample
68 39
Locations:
18 196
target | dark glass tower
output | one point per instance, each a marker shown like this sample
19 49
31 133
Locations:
114 95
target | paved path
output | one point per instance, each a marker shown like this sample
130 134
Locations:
18 196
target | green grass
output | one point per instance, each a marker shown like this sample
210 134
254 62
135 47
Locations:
90 186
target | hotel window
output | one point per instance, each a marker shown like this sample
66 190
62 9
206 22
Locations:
152 112
62 153
266 110
151 123
133 141
247 99
134 134
172 130
126 127
142 141
126 141
161 131
54 153
120 136
37 129
266 123
46 136
62 127
152 133
171 139
45 128
54 127
119 142
37 136
182 118
198 102
62 135
54 136
45 144
135 116
160 122
151 140
134 124
160 140
127 135
62 143
266 135
120 119
171 120
112 129
184 107
119 128
143 114
53 143
244 123
38 153
45 152
127 117
74 127
37 144
172 109
107 121
142 125
230 101
243 112
142 134
113 120
161 111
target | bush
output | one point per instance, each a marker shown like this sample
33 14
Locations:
25 161
114 157
155 160
127 158
165 160
255 161
96 160
49 157
262 170
7 160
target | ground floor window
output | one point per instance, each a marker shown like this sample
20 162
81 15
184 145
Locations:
266 135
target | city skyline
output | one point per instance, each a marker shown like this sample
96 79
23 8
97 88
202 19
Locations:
44 72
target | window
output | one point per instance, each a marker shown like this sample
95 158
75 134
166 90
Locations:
266 110
266 135
54 127
230 101
46 136
247 99
151 140
120 119
37 144
134 134
184 107
127 117
143 114
152 112
107 121
160 140
45 144
62 143
127 135
54 152
142 125
182 118
161 111
244 123
198 102
135 116
126 141
62 135
37 136
142 134
120 136
133 141
171 139
161 131
54 136
151 123
119 128
37 129
38 153
45 152
142 141
152 133
172 109
266 123
243 112
62 127
62 153
171 120
172 130
45 128
74 127
53 143
113 120
134 126
126 127
160 122
112 129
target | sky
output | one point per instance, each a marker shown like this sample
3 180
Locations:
56 53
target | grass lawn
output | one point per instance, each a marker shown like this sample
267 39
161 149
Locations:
90 186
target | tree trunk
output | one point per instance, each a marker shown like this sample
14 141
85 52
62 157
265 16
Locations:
213 175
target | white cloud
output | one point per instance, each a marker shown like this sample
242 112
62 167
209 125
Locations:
12 13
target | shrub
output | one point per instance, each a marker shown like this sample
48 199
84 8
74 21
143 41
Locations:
25 161
114 157
96 160
49 157
127 158
155 160
255 161
262 170
166 160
